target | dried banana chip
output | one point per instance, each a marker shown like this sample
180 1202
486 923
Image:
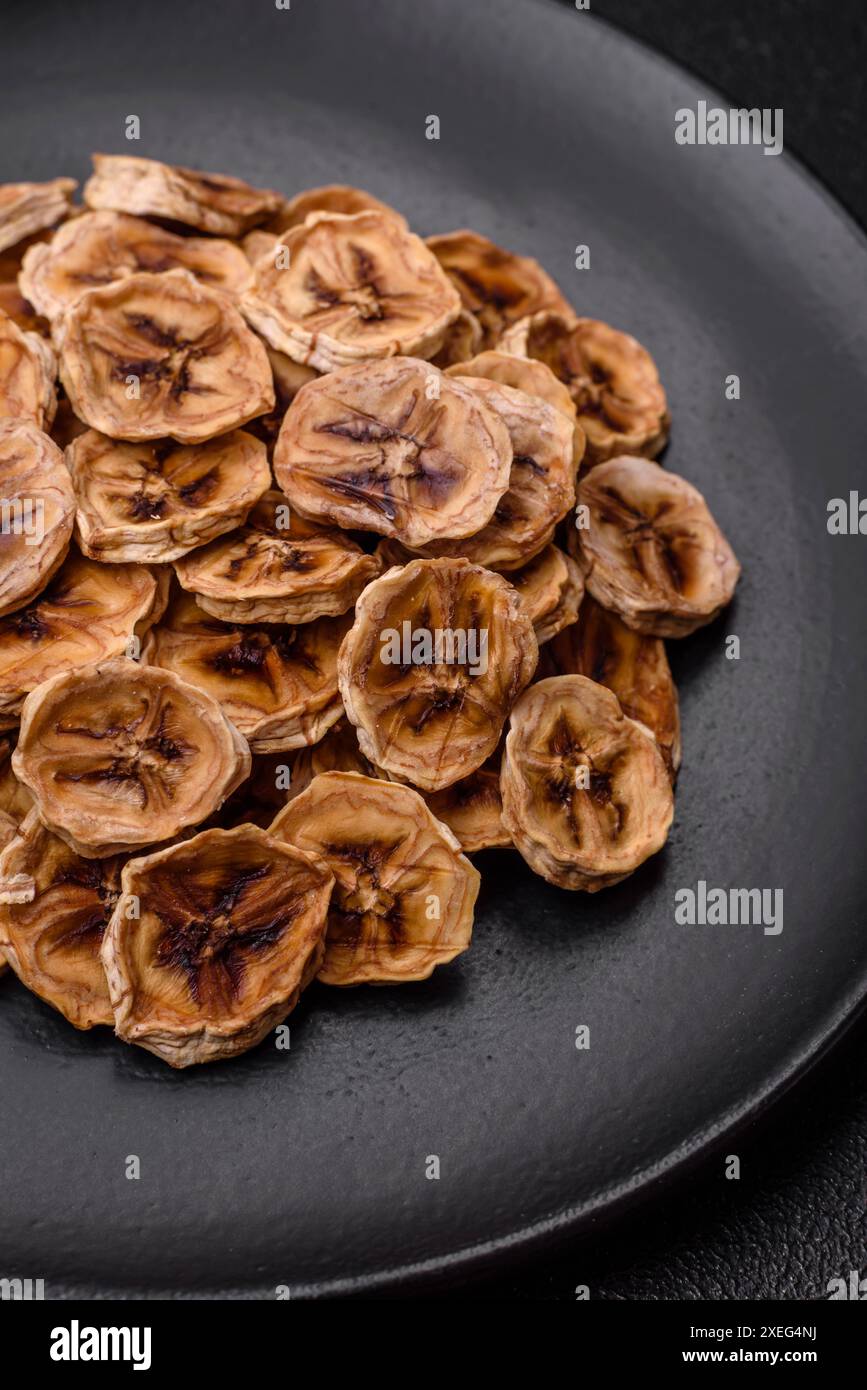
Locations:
393 447
541 481
277 684
631 664
525 374
611 378
54 909
586 793
157 355
210 202
437 655
120 756
463 340
100 248
28 371
552 590
332 197
154 501
39 507
403 894
88 613
230 932
497 286
473 809
348 289
651 551
277 568
26 208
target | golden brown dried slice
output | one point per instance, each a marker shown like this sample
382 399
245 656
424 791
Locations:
631 664
437 656
650 549
26 208
28 370
119 756
331 197
347 289
88 612
541 480
100 248
393 447
157 355
611 378
552 590
39 512
462 341
497 286
277 684
525 374
210 202
473 809
154 501
277 568
54 909
230 931
403 894
586 793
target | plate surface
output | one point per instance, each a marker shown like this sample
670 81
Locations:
308 1168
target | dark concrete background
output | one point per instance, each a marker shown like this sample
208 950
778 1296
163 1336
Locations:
787 1227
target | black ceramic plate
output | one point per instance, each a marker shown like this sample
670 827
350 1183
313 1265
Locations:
308 1168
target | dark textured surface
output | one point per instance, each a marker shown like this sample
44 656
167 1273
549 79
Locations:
309 1169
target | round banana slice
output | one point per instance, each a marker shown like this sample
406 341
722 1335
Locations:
277 568
54 909
541 481
119 756
393 447
552 590
277 684
211 203
331 197
631 664
39 512
586 793
100 248
403 894
473 809
535 378
89 612
156 355
611 378
28 371
229 931
437 655
497 286
347 289
27 208
154 501
651 551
